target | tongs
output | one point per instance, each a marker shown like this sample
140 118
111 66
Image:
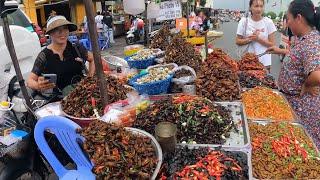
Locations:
262 54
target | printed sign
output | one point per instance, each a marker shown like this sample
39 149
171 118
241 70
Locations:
170 10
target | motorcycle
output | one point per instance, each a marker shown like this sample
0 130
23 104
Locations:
133 37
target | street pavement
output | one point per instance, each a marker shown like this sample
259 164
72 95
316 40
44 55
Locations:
117 48
227 43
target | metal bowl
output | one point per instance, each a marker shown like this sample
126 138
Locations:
155 145
114 62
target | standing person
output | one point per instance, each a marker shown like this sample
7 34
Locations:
205 21
257 33
299 77
108 26
98 21
85 24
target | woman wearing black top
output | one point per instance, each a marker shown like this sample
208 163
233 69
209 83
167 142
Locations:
205 21
60 58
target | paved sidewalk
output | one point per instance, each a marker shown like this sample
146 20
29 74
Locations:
117 48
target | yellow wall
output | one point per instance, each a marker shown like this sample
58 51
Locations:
81 12
30 10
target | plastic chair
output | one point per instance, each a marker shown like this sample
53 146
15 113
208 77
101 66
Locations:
85 43
102 43
73 39
65 131
104 40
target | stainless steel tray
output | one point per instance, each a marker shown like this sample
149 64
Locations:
216 148
295 117
237 140
265 122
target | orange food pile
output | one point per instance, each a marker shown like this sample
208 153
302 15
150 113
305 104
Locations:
263 103
251 65
250 61
219 59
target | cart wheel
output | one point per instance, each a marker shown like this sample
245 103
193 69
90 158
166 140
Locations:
29 176
17 169
130 40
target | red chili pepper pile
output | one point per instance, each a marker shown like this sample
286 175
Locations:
283 151
213 165
206 164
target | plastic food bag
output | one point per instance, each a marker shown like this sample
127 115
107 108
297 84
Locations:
124 112
186 79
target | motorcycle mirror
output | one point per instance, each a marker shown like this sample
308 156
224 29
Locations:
8 7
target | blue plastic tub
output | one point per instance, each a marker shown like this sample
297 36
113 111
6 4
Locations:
155 88
140 64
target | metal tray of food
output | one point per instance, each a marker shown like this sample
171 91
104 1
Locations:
265 122
295 117
219 148
237 140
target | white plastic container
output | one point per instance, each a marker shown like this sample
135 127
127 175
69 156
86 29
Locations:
133 7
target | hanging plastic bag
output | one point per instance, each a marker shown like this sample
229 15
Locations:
185 79
153 10
133 7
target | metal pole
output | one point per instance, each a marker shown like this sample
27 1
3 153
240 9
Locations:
96 51
103 6
188 30
13 55
150 30
206 44
146 24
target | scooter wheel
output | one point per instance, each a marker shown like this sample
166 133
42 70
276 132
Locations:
12 171
130 40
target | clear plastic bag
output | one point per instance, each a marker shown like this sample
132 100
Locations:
186 79
124 112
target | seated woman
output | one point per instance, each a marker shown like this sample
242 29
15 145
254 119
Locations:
61 58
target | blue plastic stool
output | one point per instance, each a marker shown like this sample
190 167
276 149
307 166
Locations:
65 131
85 43
73 39
102 43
